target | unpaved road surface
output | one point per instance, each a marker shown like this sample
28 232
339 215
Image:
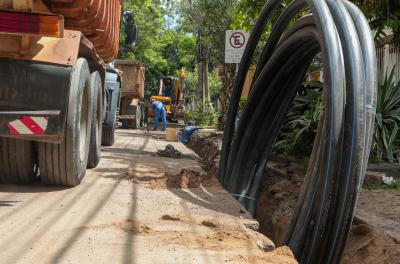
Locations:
128 210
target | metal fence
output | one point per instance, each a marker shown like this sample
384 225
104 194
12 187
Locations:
388 57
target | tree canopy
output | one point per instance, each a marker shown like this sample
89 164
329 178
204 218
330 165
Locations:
169 31
163 46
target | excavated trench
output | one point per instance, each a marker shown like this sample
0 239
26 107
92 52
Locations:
369 242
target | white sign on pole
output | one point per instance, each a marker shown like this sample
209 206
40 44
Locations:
235 43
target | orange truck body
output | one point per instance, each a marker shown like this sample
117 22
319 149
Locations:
94 23
98 20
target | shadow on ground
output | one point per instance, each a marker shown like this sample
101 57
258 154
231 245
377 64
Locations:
146 169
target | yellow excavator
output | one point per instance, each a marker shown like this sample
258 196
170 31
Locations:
171 94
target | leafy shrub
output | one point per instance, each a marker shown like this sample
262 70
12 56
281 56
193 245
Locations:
203 115
386 144
299 129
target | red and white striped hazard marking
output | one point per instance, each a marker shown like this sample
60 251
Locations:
127 117
29 125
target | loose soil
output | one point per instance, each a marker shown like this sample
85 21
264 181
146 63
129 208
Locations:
230 233
185 179
135 207
375 234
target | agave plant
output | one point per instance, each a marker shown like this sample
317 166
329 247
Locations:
297 134
387 122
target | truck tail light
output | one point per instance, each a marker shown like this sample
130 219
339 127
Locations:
33 24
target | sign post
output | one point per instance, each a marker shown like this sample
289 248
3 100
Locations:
235 44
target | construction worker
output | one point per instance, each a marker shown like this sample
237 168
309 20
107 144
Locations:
159 111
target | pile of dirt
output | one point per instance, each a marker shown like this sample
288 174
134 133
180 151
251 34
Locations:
278 198
370 240
169 152
368 244
185 179
208 148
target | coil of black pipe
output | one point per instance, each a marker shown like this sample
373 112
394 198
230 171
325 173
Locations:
339 31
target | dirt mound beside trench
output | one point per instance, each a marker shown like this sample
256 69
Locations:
186 179
369 243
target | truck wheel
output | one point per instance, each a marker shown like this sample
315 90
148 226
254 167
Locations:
17 164
127 123
133 123
108 138
65 164
97 120
108 133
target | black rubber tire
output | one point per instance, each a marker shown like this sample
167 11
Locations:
128 123
97 121
133 123
65 164
108 138
17 164
108 133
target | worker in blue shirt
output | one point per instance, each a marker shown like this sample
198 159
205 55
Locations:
159 111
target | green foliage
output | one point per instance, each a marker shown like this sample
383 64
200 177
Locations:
192 82
215 86
163 48
382 14
299 129
247 12
395 185
209 20
242 102
203 115
386 145
298 132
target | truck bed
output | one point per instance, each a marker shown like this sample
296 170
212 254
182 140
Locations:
98 20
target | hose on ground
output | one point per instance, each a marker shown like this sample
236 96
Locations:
339 31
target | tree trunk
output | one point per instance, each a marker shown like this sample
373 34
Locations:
228 76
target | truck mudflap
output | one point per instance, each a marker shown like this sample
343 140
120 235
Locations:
126 117
32 125
33 100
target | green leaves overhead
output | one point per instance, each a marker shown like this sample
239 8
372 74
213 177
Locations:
208 20
163 46
382 14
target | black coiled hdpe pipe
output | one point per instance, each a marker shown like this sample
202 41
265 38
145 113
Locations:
339 31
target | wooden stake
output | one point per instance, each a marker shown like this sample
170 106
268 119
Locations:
25 44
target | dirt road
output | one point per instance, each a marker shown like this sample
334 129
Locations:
129 211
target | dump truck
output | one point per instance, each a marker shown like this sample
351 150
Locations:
56 92
132 106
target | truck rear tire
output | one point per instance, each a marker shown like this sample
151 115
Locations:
127 123
17 164
97 121
108 138
108 133
133 123
65 164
